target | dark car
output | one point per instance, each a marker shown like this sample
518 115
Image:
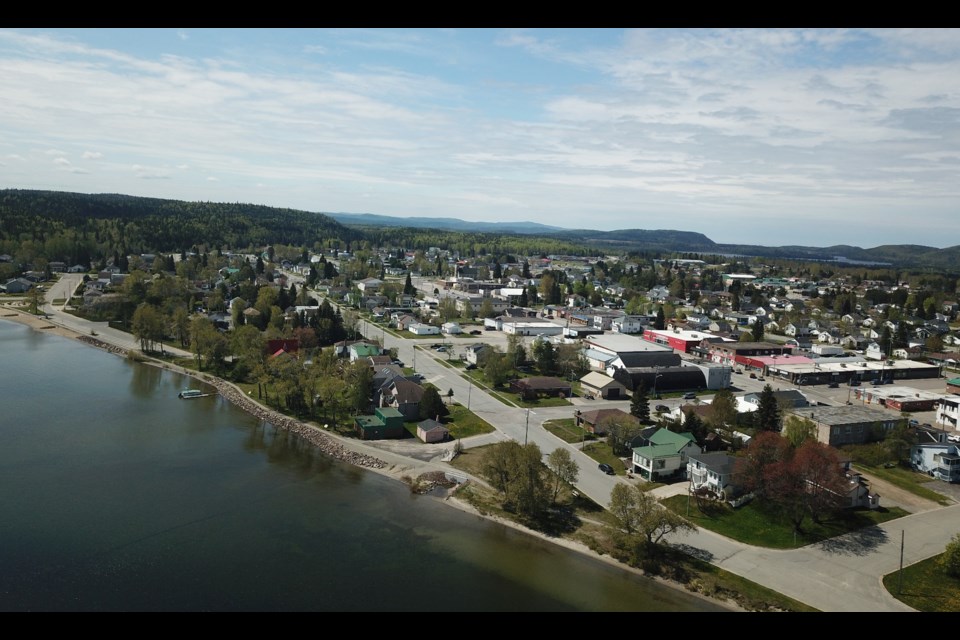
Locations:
470 367
475 332
607 469
833 385
662 408
854 383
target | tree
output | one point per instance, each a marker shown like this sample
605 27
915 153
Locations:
752 463
564 467
518 473
431 404
408 287
768 413
546 356
723 410
148 325
449 395
486 309
950 560
640 404
620 432
661 322
824 483
496 367
639 513
798 430
757 330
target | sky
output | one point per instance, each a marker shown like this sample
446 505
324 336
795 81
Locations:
772 137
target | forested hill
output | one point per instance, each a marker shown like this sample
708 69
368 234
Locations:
151 224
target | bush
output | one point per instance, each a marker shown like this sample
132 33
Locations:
950 560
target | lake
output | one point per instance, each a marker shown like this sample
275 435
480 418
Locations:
118 496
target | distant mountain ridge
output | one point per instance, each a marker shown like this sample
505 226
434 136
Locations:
178 223
450 224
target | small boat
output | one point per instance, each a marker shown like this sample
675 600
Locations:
192 393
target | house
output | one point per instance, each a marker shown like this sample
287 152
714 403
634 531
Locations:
857 492
360 350
712 472
404 396
385 422
369 285
420 329
432 431
474 352
596 421
665 456
787 398
598 385
451 328
537 386
940 460
18 285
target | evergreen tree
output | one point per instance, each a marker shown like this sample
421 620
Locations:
768 411
661 322
757 330
431 404
523 298
408 287
640 404
525 273
497 270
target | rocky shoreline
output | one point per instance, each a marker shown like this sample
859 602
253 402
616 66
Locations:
323 442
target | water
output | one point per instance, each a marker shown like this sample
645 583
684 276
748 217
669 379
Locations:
117 496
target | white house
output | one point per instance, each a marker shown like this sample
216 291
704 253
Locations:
948 412
940 460
713 472
420 329
451 328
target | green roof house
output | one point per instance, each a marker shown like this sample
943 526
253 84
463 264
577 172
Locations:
665 456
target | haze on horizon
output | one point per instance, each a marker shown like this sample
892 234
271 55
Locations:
752 136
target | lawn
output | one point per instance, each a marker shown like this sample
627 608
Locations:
754 525
907 479
925 587
601 452
464 423
567 430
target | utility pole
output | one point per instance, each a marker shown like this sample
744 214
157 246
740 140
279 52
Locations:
526 430
900 575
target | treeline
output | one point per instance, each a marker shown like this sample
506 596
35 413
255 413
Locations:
80 228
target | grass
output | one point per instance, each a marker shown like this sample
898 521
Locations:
592 525
464 423
925 586
601 452
909 480
754 525
567 430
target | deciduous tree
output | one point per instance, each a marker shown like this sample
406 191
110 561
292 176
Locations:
564 467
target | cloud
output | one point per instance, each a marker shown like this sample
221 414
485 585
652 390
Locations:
55 152
182 34
315 48
183 166
63 162
150 173
212 179
91 155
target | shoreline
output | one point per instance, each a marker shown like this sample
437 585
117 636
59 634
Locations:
334 446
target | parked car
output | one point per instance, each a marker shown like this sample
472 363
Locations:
833 385
662 408
753 375
607 469
475 332
690 395
854 383
913 423
470 367
441 349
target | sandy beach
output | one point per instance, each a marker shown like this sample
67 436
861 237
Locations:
389 464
